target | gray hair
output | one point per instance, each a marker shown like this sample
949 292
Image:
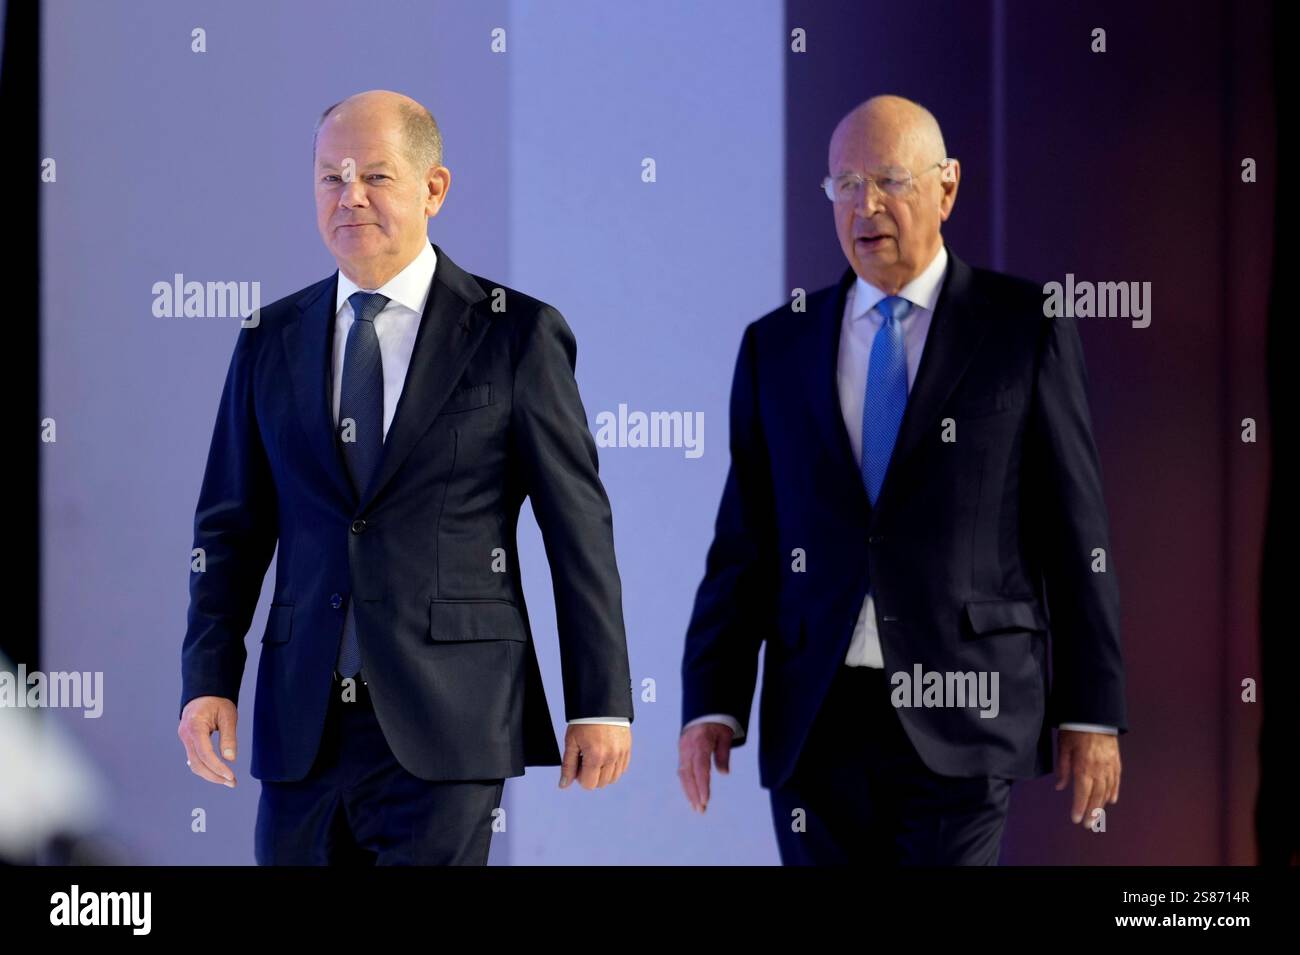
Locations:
419 132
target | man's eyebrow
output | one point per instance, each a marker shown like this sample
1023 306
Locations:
377 164
883 167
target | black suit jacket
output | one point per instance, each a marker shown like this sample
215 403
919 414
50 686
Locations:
969 542
489 414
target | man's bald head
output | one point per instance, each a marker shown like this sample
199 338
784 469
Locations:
889 230
903 123
379 177
420 132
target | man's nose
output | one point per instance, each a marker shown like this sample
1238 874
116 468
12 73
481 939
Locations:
352 194
871 200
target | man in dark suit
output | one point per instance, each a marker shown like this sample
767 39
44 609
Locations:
384 426
914 505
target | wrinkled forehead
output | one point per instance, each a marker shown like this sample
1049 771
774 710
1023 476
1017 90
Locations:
873 147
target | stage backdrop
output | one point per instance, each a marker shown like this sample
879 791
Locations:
1115 166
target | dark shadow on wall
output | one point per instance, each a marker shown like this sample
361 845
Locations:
1277 825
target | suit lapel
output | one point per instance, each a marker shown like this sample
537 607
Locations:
307 345
957 327
823 369
451 328
959 324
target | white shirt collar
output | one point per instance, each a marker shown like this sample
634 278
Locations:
409 287
922 291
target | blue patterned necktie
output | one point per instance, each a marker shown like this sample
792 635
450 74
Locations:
886 395
361 399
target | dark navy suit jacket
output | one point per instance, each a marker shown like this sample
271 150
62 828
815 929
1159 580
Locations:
970 542
489 414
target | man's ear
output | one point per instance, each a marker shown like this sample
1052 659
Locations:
949 179
436 186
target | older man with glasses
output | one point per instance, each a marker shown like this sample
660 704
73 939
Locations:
913 482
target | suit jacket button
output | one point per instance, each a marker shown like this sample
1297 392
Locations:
876 539
336 601
358 526
888 618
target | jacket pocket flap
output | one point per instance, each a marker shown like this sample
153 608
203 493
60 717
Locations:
459 620
997 616
279 624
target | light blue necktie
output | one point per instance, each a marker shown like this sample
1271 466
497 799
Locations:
886 394
361 398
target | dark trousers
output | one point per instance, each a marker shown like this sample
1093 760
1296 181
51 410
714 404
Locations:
359 806
860 794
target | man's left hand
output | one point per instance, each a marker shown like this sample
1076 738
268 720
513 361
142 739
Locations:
595 754
1093 760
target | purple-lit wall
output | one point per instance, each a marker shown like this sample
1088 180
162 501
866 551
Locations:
199 163
172 161
1120 166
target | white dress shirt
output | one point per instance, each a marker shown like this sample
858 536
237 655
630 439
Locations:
858 330
396 327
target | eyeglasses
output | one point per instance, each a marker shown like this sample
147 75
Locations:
894 182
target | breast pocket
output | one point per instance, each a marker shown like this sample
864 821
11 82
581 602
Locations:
468 398
984 404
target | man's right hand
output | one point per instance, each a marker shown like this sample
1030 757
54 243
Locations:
202 716
694 747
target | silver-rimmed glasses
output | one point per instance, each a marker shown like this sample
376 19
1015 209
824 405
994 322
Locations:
894 182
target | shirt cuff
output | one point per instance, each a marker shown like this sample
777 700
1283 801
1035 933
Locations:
723 718
611 720
1089 728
